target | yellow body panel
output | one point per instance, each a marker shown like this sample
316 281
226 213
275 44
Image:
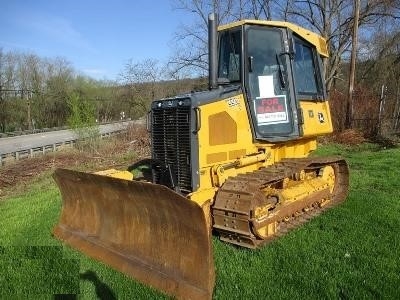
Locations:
225 134
226 146
317 118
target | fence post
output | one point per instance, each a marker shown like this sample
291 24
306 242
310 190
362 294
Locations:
396 113
381 108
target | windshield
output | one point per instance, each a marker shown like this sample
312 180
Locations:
230 56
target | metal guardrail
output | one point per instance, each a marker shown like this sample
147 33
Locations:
40 130
33 152
26 132
36 151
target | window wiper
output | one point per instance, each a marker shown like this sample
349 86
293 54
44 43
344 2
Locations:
282 73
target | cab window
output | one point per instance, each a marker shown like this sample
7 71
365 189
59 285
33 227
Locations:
229 56
305 69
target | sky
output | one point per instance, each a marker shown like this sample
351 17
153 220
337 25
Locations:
97 37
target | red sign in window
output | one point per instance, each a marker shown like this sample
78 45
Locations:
272 110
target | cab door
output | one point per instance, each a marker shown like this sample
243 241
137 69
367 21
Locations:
269 85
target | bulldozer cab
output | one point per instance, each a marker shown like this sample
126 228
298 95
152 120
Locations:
276 68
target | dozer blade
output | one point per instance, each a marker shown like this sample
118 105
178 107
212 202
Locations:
142 229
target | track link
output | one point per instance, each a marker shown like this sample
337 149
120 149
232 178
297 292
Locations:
235 216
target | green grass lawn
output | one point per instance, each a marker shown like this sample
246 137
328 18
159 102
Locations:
351 251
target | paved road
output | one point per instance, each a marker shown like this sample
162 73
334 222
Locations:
26 142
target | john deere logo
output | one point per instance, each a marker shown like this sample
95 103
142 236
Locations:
321 117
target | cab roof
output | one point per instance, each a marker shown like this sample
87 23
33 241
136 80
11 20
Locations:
318 41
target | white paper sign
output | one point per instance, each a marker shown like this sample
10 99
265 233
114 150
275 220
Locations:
266 86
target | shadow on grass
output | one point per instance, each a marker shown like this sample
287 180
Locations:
102 290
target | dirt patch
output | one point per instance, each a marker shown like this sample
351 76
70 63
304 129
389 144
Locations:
23 170
347 137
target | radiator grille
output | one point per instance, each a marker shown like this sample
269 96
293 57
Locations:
171 141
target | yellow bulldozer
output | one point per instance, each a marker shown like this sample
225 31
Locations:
232 160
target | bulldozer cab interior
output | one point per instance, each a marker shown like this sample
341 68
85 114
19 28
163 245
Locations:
273 68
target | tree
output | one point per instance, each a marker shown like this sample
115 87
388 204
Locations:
53 82
140 78
59 86
10 108
2 98
379 73
353 58
82 120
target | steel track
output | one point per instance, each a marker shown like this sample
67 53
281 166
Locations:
234 208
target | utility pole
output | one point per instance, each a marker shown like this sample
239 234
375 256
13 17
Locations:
397 116
28 96
349 104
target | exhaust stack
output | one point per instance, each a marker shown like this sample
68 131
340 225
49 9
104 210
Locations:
212 51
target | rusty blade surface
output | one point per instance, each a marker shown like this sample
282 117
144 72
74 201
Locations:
142 229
